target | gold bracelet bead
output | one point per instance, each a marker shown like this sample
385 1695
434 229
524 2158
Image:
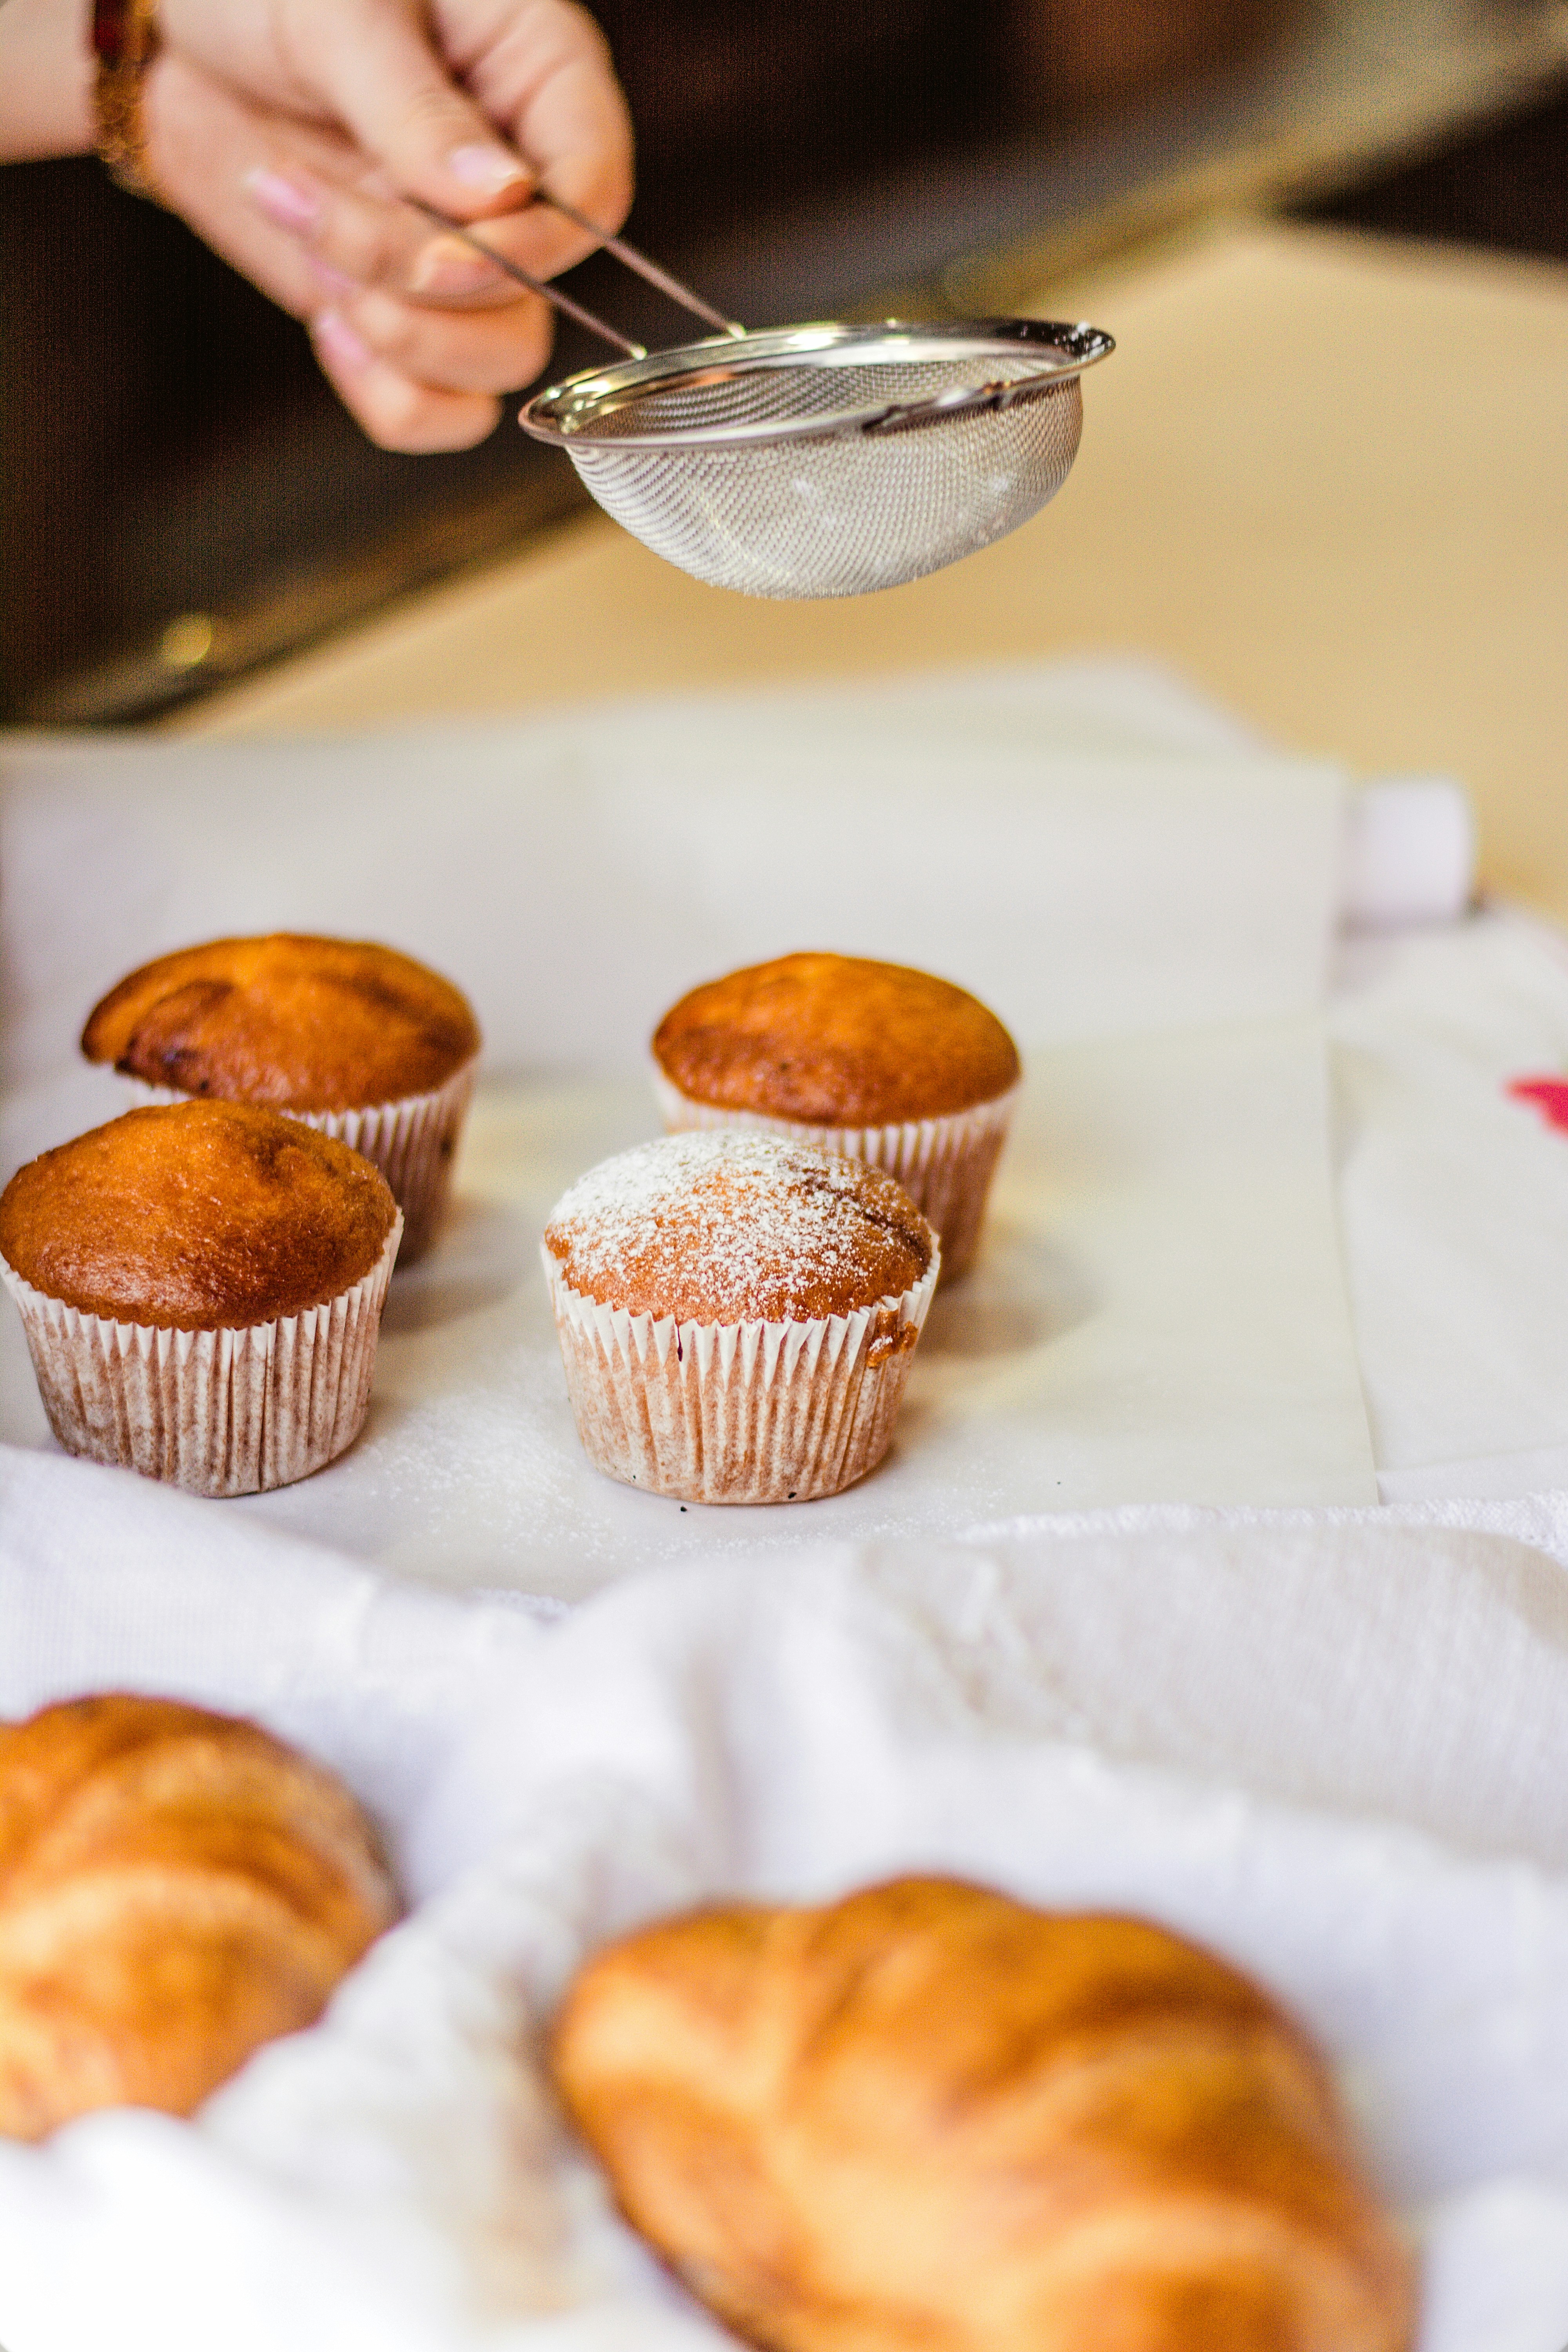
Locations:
124 42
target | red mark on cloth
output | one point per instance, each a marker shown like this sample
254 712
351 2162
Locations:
1549 1097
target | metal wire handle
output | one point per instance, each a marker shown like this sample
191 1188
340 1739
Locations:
625 253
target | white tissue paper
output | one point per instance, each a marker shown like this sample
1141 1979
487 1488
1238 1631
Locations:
577 874
1147 899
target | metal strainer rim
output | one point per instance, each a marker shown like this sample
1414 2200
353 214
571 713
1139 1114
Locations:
566 414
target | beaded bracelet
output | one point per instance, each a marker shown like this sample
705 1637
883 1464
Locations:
125 42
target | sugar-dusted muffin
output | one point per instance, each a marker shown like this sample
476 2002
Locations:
737 1314
927 2115
201 1285
176 1887
873 1061
356 1039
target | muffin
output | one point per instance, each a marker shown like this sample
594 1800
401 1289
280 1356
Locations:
355 1039
871 1061
737 1314
927 2115
202 1287
176 1888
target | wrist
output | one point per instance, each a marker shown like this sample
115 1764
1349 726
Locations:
45 81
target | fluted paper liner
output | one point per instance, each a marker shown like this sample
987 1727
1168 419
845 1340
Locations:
945 1165
737 1412
229 1411
412 1141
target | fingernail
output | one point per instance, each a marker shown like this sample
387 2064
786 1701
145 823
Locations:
284 204
447 267
332 279
490 169
339 340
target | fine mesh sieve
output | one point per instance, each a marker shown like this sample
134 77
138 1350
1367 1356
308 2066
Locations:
821 460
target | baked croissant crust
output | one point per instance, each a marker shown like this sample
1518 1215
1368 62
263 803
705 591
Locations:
176 1887
930 2119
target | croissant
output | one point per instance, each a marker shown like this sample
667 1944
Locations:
930 2119
176 1887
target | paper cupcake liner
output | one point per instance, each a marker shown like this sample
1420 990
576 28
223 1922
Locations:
412 1141
737 1412
945 1165
229 1411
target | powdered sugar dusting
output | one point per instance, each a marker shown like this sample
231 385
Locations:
727 1225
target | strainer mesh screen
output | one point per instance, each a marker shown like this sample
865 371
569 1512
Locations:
835 515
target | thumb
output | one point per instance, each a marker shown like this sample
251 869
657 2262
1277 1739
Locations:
372 65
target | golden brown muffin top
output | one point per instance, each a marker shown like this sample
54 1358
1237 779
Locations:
301 1024
176 1887
836 1041
196 1216
727 1226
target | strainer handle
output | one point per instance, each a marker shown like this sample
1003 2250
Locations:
552 294
673 287
565 303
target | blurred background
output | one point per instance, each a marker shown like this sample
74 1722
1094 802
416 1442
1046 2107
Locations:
182 501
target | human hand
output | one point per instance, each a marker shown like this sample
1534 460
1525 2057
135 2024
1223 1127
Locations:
284 132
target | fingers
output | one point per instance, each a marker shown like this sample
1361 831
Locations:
352 227
373 70
545 73
202 137
429 305
433 388
383 99
474 351
433 111
291 154
362 240
442 93
393 408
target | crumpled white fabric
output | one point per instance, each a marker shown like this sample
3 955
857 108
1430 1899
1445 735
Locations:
1453 1201
1335 1753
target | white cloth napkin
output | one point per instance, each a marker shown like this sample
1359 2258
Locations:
1286 1741
1454 1203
